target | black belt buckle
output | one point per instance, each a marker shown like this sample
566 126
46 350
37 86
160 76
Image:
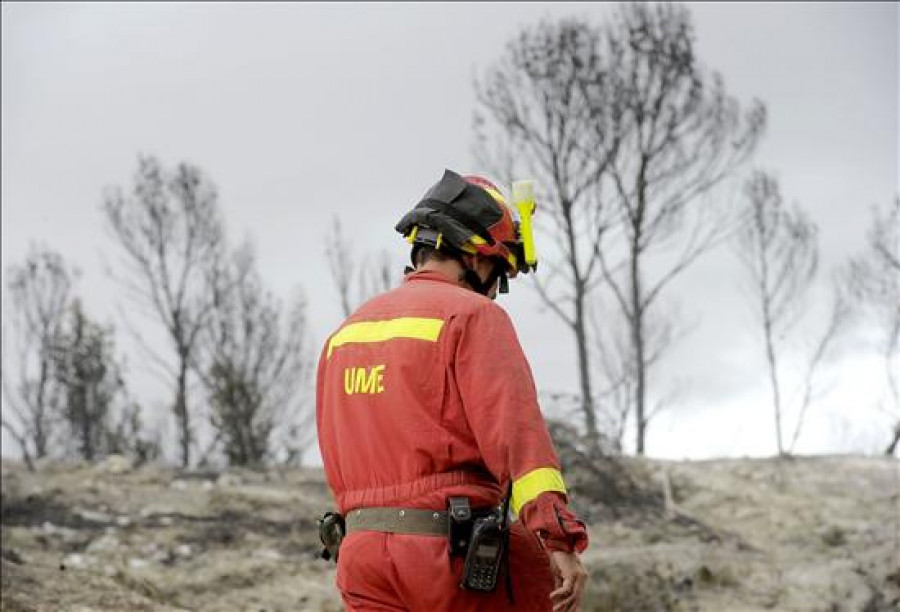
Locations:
459 525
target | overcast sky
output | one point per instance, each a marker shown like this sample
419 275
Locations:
299 112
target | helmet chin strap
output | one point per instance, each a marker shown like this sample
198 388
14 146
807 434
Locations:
470 276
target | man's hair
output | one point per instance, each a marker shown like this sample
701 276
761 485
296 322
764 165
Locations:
423 254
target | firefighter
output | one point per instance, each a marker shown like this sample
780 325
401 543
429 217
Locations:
427 413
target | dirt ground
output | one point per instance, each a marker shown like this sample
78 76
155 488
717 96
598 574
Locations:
817 533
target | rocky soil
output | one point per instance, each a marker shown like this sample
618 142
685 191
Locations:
810 534
802 534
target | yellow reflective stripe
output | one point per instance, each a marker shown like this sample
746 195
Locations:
495 194
417 328
533 484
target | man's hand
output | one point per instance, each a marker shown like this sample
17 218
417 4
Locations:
571 578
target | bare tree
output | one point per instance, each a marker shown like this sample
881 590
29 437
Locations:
548 108
618 368
342 265
778 248
615 400
127 434
876 279
94 406
377 276
255 361
355 279
628 132
171 232
682 135
40 290
838 317
90 382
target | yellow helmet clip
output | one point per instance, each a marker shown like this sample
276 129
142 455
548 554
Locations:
523 197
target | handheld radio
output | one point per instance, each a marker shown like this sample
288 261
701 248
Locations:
483 559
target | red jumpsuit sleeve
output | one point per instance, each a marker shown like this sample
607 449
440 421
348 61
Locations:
500 401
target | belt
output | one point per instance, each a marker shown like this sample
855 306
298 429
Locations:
409 521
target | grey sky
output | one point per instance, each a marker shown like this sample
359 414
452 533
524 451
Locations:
302 111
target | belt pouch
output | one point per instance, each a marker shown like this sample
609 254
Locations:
331 532
459 525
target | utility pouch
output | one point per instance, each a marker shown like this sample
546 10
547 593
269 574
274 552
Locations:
459 525
331 532
485 555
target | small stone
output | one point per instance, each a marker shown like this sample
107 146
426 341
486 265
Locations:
92 516
105 543
268 553
135 563
74 561
69 535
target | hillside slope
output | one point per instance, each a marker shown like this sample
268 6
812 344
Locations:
805 534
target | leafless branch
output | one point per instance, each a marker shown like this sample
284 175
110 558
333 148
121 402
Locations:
779 250
875 281
254 361
171 233
840 312
40 290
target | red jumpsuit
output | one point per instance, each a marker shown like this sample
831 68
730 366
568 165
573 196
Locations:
424 393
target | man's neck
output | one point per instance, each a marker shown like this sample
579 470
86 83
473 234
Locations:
449 268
